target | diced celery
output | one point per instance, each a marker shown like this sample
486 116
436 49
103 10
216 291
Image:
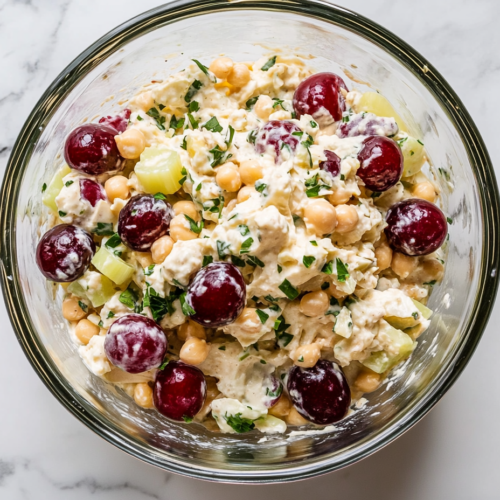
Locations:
270 424
424 311
54 188
102 290
401 323
159 171
363 264
378 362
343 325
373 102
76 289
413 154
116 269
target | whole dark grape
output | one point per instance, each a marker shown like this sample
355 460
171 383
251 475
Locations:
91 149
381 163
64 253
179 391
320 96
135 343
279 135
331 164
118 122
415 227
143 220
91 191
321 393
367 124
217 294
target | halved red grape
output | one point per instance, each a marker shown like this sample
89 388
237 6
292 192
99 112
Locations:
143 220
321 393
179 391
217 294
367 124
118 122
332 163
273 390
381 163
91 191
277 133
320 96
91 149
64 253
415 227
135 343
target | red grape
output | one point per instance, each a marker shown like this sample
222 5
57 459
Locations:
332 163
91 191
118 122
277 133
367 124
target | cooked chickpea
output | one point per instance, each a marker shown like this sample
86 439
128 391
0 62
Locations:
221 67
130 143
145 259
425 190
71 310
179 229
367 382
239 76
194 351
145 100
314 303
335 292
228 178
432 269
347 218
188 208
307 356
403 265
191 329
295 418
281 408
143 395
245 193
250 172
383 254
85 330
339 197
263 107
161 249
117 187
248 321
321 215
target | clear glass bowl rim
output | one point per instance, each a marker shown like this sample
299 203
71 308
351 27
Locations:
169 13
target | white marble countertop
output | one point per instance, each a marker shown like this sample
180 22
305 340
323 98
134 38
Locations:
45 453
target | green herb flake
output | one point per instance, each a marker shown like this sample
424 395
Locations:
251 102
278 102
238 423
420 142
164 364
100 324
149 270
193 121
175 123
159 196
139 118
68 184
279 269
245 246
237 261
263 362
129 298
223 249
187 419
342 272
301 359
325 285
62 214
262 315
308 260
193 106
196 228
270 298
328 268
243 229
185 306
252 136
245 356
193 89
269 64
44 187
255 261
184 145
222 348
213 125
207 259
289 290
111 314
203 68
84 307
104 229
314 243
431 283
159 119
450 220
260 186
313 124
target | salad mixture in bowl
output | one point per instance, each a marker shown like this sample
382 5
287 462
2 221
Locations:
246 245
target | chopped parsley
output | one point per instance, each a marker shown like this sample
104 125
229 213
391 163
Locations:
187 419
430 283
328 268
193 106
159 119
100 324
342 272
149 270
203 68
237 261
415 315
193 89
245 356
313 124
222 348
196 228
279 269
449 220
84 307
252 135
420 142
314 243
243 229
198 188
129 298
207 259
104 229
251 102
263 362
111 314
260 186
270 298
44 187
219 155
176 123
223 249
289 290
164 364
68 184
184 146
301 359
62 214
308 260
245 246
314 187
325 285
262 315
139 118
239 424
159 196
213 125
278 102
269 64
193 121
255 261
216 207
158 305
185 306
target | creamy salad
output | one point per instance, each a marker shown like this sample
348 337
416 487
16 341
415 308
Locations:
246 245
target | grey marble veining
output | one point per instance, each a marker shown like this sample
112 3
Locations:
45 453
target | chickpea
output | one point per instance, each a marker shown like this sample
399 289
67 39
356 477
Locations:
188 208
85 330
321 215
161 249
131 143
307 356
347 218
194 351
248 321
191 329
179 229
71 310
314 303
250 172
425 190
145 259
228 178
335 292
383 254
245 193
281 408
221 67
403 265
145 100
263 107
295 418
239 76
143 395
117 187
367 382
339 197
432 269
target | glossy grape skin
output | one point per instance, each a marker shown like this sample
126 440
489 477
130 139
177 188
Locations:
118 122
381 163
367 124
321 393
64 253
180 391
143 220
276 133
331 164
92 149
415 227
217 294
135 343
91 191
320 96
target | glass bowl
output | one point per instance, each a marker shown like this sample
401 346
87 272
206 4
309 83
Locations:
162 41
